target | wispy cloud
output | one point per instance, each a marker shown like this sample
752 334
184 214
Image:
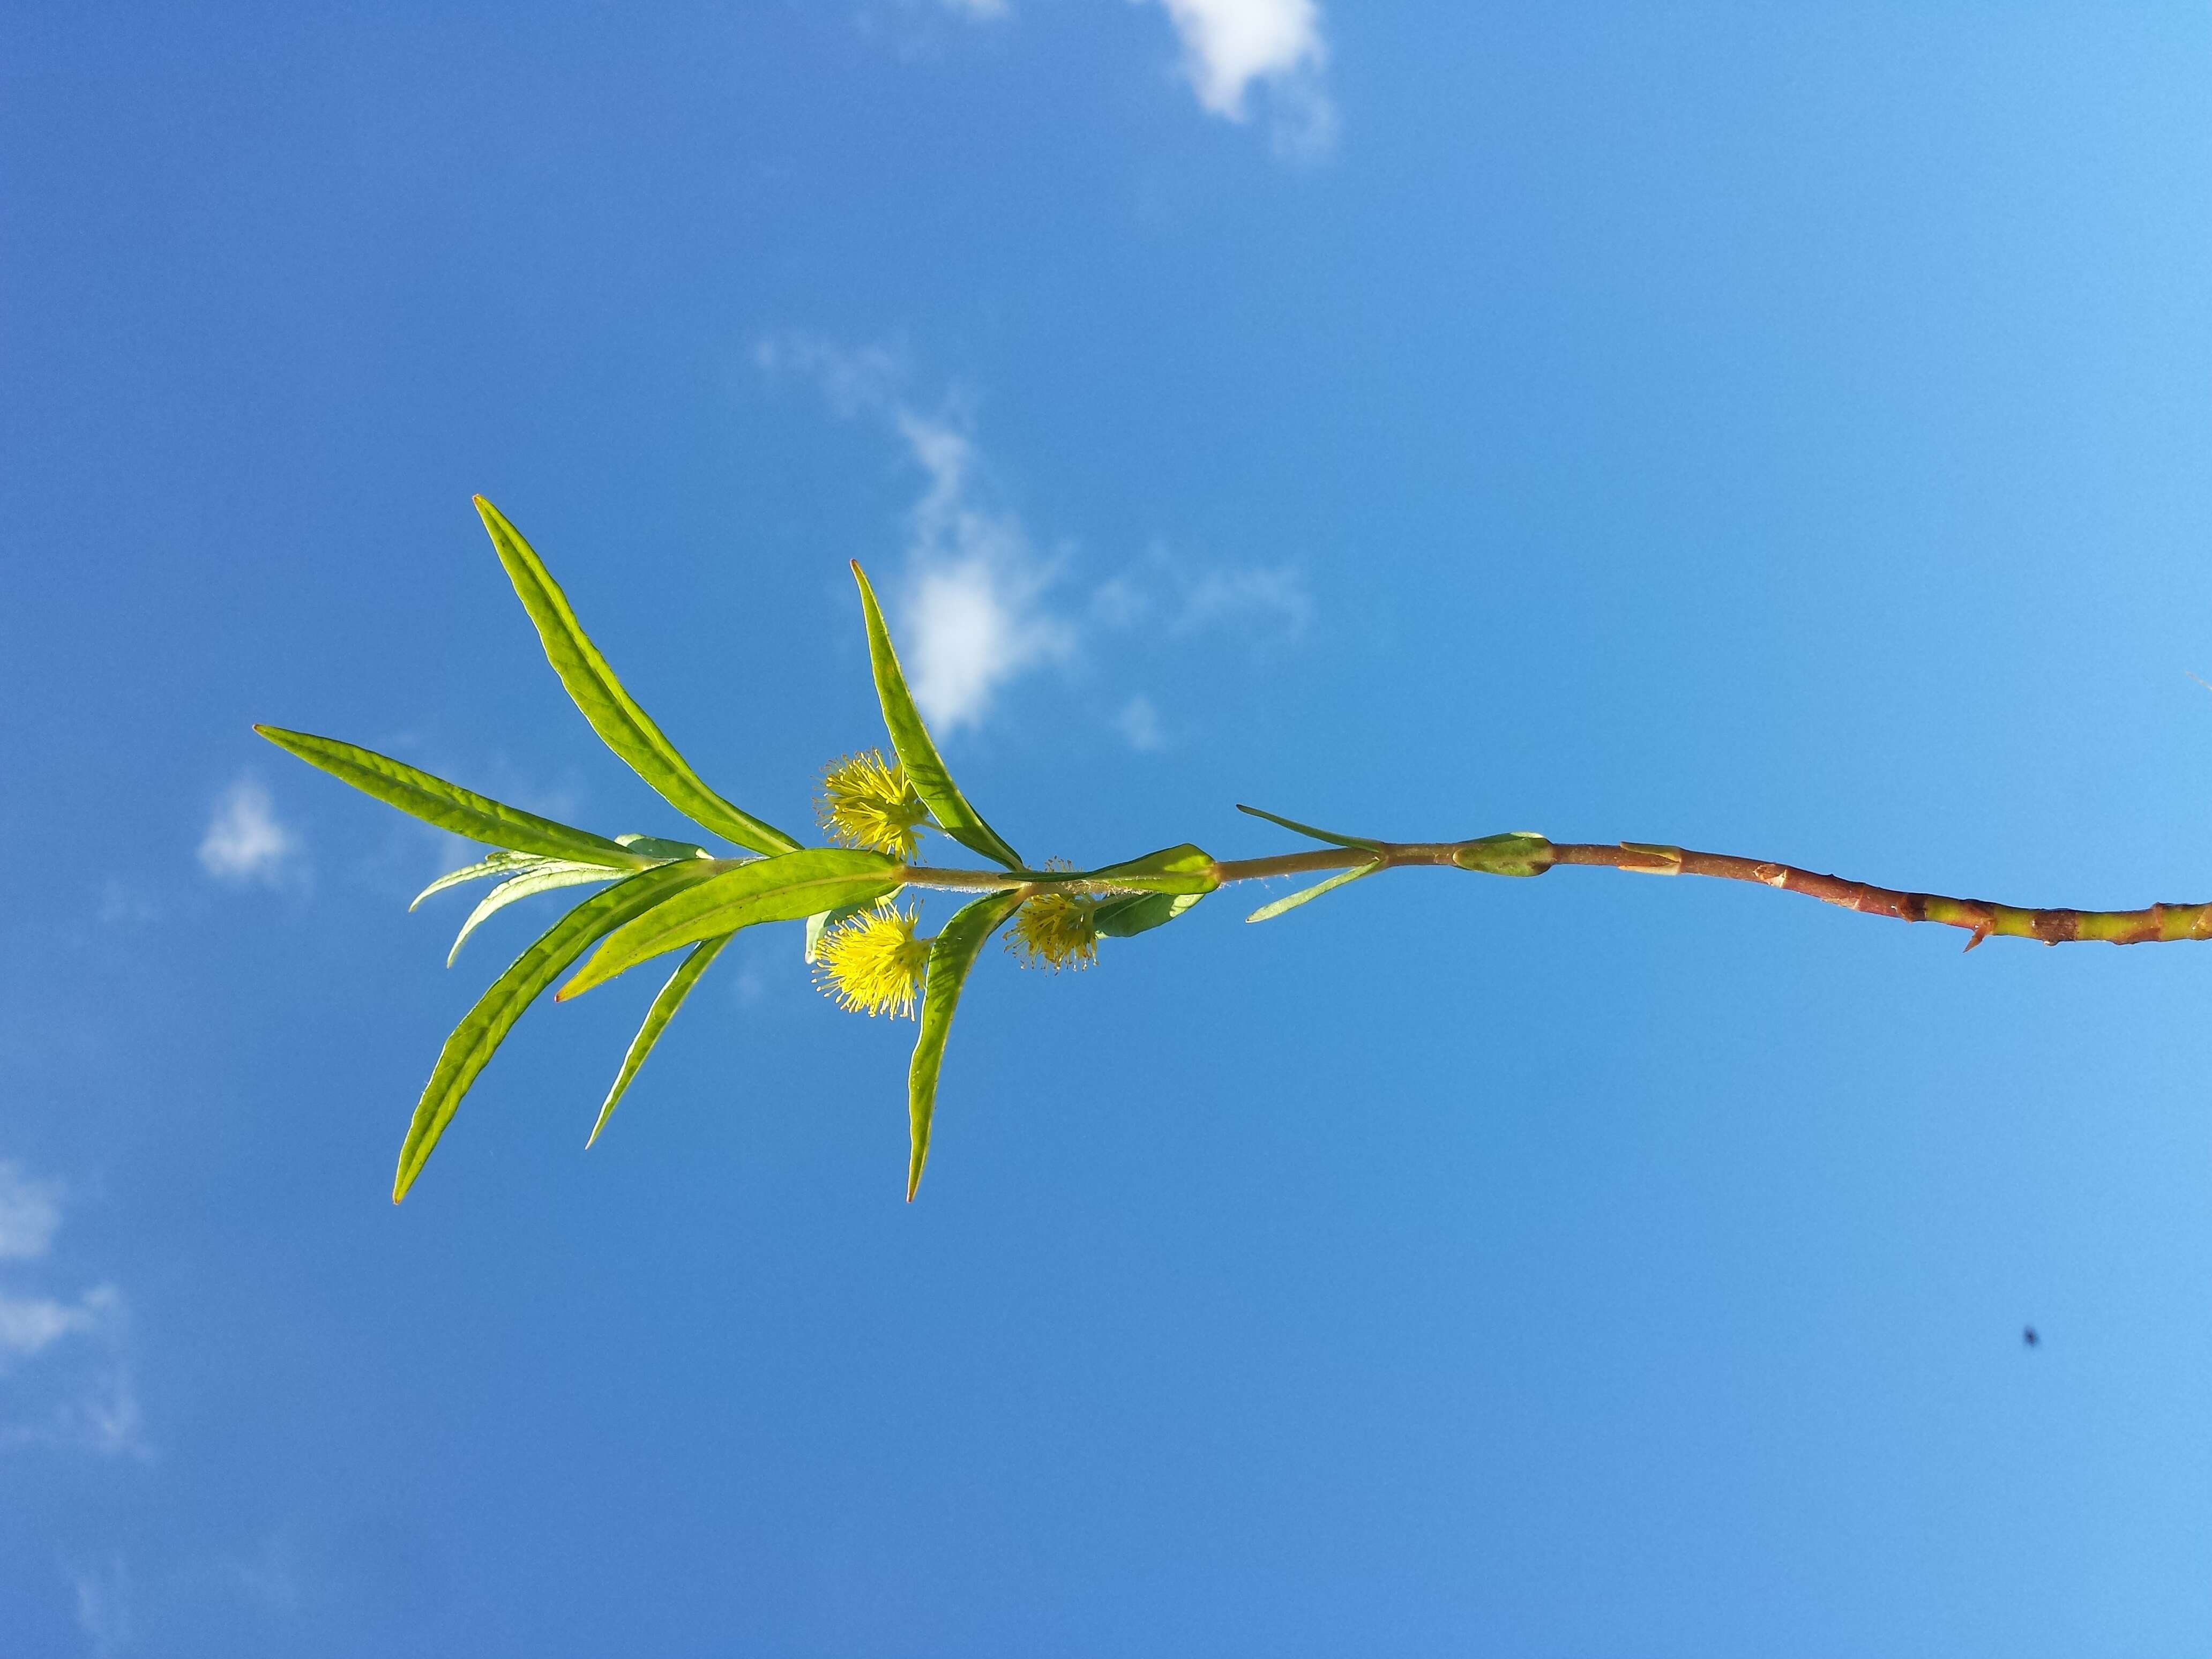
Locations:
31 1324
30 1213
64 1357
1139 723
1268 604
103 1607
246 843
979 604
861 379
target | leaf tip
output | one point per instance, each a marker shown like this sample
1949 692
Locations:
582 981
495 521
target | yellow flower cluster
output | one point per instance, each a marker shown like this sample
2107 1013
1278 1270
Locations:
866 801
1056 931
872 964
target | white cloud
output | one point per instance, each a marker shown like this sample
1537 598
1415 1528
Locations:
971 611
245 843
976 608
1230 46
30 1213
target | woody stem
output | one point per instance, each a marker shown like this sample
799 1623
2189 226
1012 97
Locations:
1532 855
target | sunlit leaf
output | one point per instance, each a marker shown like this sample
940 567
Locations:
925 767
479 1035
1140 913
1269 912
447 805
614 714
789 887
549 874
951 954
1329 835
656 1021
499 864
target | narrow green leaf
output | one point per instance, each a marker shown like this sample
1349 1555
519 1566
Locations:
925 767
1140 913
656 1021
549 874
475 1039
614 714
1269 912
1329 835
499 864
951 954
789 887
447 805
1184 869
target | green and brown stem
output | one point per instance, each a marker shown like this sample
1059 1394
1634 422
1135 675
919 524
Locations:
1532 855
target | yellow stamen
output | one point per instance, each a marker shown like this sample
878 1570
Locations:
874 964
866 801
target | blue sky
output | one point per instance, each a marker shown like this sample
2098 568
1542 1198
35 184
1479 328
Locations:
1781 431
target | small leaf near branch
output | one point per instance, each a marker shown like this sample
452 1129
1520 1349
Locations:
950 955
1269 912
478 1036
450 806
788 887
499 864
925 767
543 877
665 1005
1308 830
622 725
